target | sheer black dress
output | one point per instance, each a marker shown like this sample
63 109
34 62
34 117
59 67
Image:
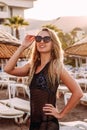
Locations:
42 92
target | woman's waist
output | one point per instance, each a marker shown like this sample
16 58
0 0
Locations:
40 121
42 118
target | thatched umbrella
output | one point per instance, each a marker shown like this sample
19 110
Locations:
78 49
8 45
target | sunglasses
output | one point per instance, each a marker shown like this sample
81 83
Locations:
45 39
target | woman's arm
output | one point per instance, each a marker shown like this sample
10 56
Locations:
11 64
76 95
75 89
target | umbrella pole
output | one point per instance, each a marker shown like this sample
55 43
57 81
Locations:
76 63
2 65
80 62
86 63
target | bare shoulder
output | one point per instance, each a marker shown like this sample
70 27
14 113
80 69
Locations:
68 80
65 75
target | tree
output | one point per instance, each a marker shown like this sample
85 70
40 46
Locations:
77 34
53 27
16 22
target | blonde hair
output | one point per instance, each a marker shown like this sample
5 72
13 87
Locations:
56 60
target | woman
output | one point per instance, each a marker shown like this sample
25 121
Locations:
45 70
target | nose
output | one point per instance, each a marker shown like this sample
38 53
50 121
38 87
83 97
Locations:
42 41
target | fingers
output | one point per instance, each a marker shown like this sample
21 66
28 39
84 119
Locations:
28 40
48 109
30 37
48 105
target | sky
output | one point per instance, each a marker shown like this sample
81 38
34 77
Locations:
52 9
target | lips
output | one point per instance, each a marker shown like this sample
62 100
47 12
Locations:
41 46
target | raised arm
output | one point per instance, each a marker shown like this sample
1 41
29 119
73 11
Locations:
11 64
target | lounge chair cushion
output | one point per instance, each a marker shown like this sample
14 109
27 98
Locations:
17 103
8 112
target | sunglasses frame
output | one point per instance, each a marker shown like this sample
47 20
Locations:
45 39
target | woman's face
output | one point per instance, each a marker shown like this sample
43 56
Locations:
43 42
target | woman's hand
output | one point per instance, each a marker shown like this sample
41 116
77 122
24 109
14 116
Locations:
28 40
49 109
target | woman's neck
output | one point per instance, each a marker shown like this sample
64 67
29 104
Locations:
45 59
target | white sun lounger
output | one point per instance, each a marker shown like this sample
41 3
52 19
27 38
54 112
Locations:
19 104
69 128
79 124
8 112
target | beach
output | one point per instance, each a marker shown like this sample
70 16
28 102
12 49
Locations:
78 113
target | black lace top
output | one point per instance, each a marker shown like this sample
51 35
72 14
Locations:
41 92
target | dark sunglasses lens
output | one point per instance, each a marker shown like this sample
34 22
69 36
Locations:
38 38
47 39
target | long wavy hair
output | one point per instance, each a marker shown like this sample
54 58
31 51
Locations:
56 62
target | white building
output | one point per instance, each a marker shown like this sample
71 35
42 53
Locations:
9 8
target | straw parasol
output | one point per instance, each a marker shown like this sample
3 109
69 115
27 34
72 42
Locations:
8 45
78 49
